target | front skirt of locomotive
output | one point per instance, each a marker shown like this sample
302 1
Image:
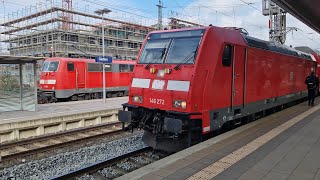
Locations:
163 143
162 130
45 96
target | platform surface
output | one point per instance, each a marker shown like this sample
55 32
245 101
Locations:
284 145
63 108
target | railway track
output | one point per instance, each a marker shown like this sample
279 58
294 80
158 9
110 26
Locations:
18 150
117 166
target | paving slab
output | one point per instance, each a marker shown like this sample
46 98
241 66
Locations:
63 108
260 163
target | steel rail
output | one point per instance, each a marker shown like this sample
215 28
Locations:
101 165
58 144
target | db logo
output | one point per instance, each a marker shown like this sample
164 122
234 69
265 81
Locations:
158 84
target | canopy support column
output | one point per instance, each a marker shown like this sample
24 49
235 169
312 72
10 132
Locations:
21 88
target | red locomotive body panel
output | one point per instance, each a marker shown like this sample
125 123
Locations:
69 77
232 76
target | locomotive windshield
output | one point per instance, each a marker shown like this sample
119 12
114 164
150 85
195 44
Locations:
171 47
50 66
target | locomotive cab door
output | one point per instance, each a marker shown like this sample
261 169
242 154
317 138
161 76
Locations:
238 79
80 75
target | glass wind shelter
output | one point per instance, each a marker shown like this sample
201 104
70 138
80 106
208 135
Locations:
18 83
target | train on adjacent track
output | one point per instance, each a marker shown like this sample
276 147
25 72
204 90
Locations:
191 82
81 79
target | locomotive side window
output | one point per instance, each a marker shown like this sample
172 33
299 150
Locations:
124 68
70 66
94 67
115 68
108 68
131 68
227 55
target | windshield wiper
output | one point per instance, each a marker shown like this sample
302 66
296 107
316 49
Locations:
160 53
187 58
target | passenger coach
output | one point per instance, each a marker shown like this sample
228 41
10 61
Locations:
190 82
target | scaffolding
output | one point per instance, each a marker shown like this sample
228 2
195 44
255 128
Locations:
61 30
176 23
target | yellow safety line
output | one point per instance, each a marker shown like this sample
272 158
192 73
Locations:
219 166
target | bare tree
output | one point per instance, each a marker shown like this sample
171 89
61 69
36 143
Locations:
8 82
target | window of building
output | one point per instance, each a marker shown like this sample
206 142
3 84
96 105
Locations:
119 43
227 55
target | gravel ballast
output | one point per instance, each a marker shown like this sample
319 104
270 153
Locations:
70 161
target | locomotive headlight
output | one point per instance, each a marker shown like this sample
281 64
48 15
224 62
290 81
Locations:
179 104
184 104
137 99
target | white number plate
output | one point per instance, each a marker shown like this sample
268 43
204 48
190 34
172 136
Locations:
156 101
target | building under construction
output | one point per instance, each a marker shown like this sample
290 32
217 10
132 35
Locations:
59 30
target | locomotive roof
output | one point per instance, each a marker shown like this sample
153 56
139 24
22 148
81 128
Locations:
272 46
255 42
305 49
115 61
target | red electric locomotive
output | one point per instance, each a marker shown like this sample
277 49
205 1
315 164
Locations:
190 82
310 51
64 78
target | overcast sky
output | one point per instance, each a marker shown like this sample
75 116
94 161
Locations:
216 12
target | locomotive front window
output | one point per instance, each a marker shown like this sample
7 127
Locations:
171 47
183 50
50 66
154 51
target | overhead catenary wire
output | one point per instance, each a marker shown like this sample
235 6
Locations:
212 8
308 38
100 3
215 6
250 4
227 15
183 9
14 3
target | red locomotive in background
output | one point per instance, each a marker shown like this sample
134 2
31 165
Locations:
190 82
314 53
77 79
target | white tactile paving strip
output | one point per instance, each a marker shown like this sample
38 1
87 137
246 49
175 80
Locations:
224 163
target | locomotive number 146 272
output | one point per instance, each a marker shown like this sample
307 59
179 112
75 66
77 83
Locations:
156 101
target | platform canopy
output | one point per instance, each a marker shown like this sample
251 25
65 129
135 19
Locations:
18 83
8 59
307 11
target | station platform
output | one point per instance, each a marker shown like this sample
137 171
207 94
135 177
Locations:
63 108
57 117
284 145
